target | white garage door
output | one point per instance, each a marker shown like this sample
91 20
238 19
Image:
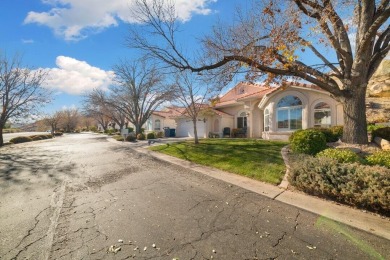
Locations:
185 128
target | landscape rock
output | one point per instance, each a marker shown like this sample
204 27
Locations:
383 143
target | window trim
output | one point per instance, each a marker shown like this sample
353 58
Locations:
322 110
159 124
244 119
289 109
266 120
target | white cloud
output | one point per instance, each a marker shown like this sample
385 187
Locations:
77 77
75 19
28 41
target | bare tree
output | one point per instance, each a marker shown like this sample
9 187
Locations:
139 90
88 122
53 121
270 38
21 91
192 93
95 106
108 104
69 119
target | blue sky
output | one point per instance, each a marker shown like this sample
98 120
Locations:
80 40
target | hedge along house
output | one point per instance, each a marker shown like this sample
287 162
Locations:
276 112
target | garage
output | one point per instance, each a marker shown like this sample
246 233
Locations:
185 128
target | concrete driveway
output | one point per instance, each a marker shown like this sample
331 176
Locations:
81 197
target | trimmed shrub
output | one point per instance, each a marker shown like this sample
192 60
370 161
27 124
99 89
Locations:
329 134
291 137
340 155
93 129
381 158
383 132
118 137
58 133
371 127
36 137
337 131
20 139
110 131
151 135
308 142
130 129
160 134
353 184
140 137
130 138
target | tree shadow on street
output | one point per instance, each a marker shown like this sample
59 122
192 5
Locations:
31 166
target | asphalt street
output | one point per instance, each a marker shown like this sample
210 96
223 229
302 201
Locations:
82 197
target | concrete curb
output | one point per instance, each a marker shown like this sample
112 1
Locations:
359 219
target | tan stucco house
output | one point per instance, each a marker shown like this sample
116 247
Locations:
256 111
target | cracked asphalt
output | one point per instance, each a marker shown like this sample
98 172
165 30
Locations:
75 196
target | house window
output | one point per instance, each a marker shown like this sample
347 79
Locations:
266 120
322 117
242 120
289 113
149 124
157 124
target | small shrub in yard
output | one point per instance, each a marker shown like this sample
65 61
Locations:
308 142
140 137
151 136
340 155
130 138
20 139
118 137
58 133
354 184
291 137
381 158
383 132
329 134
160 134
337 131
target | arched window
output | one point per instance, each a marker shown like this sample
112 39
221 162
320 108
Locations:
266 120
289 113
322 116
157 124
242 120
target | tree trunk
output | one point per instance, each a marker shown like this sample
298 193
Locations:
1 136
355 123
137 129
195 131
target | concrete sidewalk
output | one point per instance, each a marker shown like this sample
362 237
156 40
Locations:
366 221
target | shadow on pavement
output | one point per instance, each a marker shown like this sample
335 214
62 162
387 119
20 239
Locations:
31 165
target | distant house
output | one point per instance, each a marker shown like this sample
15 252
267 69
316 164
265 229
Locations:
161 119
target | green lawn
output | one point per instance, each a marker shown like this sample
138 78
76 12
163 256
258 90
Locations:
257 159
